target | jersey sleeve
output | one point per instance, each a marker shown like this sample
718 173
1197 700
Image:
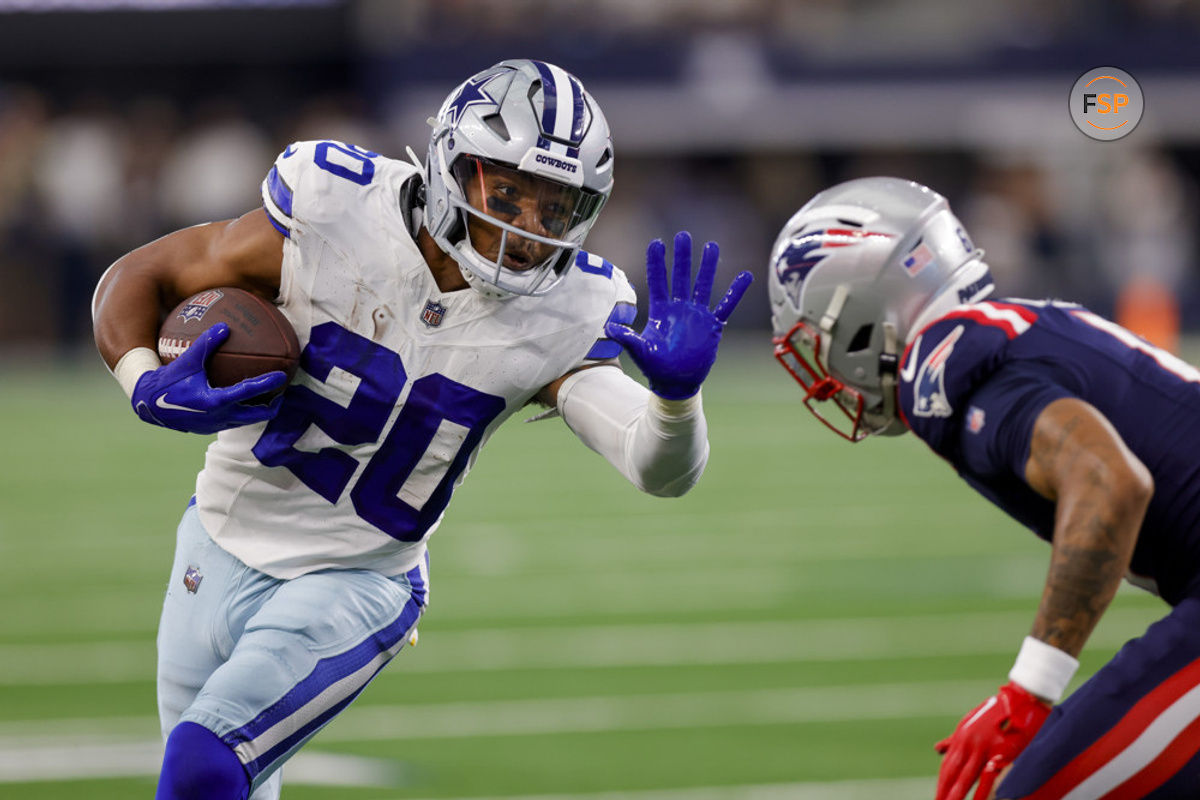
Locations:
997 427
279 187
949 361
940 370
312 183
622 309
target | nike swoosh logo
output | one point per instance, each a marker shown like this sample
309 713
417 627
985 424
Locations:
982 710
161 402
910 369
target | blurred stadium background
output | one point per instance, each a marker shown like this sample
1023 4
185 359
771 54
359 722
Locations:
809 620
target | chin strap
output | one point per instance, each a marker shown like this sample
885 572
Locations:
412 156
888 359
412 204
829 319
889 362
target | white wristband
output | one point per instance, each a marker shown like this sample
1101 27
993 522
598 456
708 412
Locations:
674 410
133 365
1043 670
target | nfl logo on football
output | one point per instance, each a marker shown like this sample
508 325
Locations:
433 313
200 305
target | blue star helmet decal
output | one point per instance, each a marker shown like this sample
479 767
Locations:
471 94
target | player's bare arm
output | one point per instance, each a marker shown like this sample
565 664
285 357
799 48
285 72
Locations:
1101 491
140 287
133 296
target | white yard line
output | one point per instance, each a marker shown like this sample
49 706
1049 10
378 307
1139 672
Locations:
608 713
652 644
142 759
873 789
615 713
97 748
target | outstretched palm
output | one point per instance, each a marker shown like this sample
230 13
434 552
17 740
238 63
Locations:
678 346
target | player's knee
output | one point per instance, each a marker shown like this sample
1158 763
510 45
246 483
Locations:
199 766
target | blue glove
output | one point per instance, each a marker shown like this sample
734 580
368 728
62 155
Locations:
177 395
679 344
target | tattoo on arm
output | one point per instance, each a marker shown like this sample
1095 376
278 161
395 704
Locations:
1049 449
1101 492
1079 586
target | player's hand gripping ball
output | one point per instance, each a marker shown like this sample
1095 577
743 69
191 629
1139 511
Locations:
227 356
987 740
261 339
678 346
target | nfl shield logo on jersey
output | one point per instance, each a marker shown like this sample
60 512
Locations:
191 579
433 313
200 305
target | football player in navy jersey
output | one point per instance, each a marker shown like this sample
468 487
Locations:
431 303
1075 427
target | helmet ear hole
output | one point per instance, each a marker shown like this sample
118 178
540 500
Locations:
496 123
861 340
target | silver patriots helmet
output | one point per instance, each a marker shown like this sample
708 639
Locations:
535 123
854 275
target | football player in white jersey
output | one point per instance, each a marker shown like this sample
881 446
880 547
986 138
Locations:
431 303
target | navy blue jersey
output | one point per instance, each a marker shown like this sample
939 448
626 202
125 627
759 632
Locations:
974 381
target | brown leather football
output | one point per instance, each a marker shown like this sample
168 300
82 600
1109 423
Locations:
260 337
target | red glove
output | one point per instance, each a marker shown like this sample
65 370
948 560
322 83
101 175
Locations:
987 740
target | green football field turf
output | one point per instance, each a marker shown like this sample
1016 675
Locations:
805 624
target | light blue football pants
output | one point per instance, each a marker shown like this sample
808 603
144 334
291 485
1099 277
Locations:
266 663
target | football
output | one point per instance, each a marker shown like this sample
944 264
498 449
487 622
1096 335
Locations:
260 337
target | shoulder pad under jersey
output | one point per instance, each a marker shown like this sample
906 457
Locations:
306 172
617 301
948 360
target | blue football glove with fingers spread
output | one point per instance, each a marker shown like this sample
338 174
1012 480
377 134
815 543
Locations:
678 346
178 396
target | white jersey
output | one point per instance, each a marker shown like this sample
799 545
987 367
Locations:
399 384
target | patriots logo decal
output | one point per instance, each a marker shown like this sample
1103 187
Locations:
929 387
803 253
472 93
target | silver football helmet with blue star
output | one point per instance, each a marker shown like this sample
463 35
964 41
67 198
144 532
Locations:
531 148
856 274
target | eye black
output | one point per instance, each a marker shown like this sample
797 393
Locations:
501 206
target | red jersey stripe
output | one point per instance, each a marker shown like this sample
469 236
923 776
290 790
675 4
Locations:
1159 771
1127 729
